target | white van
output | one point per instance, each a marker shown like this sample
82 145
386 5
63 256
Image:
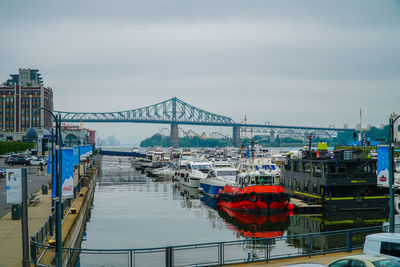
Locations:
383 243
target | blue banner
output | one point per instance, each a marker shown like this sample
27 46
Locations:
76 155
67 173
383 166
49 162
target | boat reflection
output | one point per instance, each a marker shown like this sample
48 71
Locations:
251 225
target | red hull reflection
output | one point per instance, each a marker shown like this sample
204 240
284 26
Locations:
252 225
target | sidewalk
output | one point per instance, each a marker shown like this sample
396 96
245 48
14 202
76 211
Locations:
322 259
11 231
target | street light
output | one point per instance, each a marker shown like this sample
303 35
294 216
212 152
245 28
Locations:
32 133
391 173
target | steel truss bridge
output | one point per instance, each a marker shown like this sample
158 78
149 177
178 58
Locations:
177 112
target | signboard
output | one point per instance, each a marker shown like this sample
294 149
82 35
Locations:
14 186
383 166
67 174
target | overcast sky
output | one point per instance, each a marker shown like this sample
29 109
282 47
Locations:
306 63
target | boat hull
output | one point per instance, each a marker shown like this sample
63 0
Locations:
254 199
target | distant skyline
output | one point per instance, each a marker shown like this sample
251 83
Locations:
305 63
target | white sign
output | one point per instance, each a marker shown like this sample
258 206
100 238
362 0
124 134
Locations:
14 186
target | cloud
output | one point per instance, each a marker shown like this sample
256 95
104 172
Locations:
287 62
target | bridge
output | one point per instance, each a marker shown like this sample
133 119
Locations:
177 112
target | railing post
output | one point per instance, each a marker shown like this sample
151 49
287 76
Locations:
130 258
266 253
169 261
221 253
309 249
33 250
348 241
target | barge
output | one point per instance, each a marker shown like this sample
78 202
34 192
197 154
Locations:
339 180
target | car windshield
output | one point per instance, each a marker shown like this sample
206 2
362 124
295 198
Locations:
386 263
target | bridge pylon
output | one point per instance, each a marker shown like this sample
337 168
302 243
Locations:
236 136
174 138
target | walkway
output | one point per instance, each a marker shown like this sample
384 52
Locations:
11 231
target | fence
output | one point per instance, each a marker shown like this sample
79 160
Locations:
220 253
49 225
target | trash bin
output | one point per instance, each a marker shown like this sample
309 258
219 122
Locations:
44 189
16 212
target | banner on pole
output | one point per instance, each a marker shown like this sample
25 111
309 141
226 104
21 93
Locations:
14 186
67 174
76 155
383 166
49 162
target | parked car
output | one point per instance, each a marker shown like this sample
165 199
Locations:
16 161
383 243
45 158
6 155
37 162
30 157
365 260
2 172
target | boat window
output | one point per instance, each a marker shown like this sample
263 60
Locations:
307 167
297 166
332 168
342 168
226 173
325 167
317 169
288 166
314 189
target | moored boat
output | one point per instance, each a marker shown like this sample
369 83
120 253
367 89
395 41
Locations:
253 194
339 180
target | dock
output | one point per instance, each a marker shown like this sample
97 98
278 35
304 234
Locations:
305 208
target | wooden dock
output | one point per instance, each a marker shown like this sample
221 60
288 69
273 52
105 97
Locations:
303 207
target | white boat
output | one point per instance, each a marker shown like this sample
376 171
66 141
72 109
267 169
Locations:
194 172
222 173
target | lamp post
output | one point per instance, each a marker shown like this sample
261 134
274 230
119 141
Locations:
391 173
31 132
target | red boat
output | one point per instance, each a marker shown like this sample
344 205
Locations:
254 198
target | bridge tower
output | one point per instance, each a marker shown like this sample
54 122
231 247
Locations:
174 138
236 136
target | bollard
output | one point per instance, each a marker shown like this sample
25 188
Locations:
44 189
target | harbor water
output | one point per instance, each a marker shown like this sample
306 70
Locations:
131 210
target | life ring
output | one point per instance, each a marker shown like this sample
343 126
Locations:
269 198
240 197
245 196
253 196
281 197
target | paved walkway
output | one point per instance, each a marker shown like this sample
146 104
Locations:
11 231
323 259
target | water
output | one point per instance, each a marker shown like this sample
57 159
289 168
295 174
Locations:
131 210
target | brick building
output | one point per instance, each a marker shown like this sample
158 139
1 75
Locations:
19 97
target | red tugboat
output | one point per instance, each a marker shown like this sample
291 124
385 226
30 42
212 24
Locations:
250 194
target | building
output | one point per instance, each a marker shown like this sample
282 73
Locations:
19 97
74 134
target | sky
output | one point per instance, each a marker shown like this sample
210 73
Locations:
303 63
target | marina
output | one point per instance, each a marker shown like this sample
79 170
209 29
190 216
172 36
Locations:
134 210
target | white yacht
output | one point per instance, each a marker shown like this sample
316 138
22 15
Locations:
222 173
193 172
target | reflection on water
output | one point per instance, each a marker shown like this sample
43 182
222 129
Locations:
132 211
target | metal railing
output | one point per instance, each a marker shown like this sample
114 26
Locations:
48 227
220 253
